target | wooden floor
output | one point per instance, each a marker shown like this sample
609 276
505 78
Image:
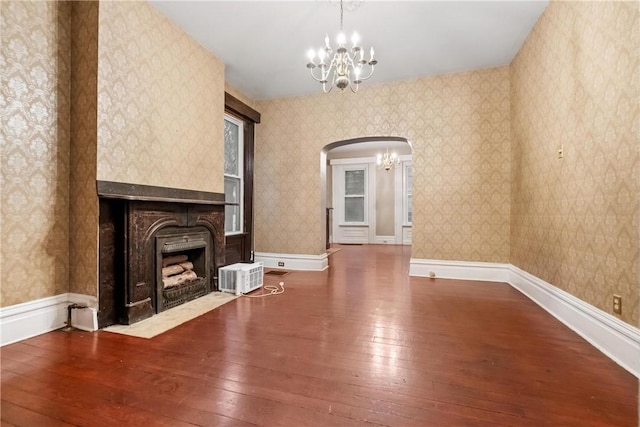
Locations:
358 344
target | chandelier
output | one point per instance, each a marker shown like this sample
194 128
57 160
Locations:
347 65
386 161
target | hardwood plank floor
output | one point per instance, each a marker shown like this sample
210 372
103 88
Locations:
358 344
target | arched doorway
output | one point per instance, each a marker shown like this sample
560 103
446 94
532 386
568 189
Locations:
380 211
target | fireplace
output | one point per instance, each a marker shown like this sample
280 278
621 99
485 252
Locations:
182 266
158 247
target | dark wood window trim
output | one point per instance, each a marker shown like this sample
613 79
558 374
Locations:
239 247
239 108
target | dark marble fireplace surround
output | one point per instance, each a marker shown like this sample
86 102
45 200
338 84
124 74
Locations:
133 219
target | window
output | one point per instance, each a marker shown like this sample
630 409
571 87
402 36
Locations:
407 192
233 175
355 196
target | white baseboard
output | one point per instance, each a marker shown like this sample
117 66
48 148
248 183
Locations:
385 240
485 271
293 261
613 337
26 320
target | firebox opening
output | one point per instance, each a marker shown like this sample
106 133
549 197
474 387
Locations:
182 266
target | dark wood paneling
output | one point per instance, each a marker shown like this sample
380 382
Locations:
249 144
240 247
235 248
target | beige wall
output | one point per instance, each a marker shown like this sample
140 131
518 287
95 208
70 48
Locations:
161 102
145 106
34 176
459 128
574 221
83 203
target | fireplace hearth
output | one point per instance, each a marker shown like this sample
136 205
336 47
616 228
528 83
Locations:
144 231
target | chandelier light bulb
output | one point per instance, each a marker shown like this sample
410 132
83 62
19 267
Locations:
387 160
311 54
355 39
343 67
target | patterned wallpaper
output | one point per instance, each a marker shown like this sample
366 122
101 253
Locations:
575 83
83 203
34 148
459 127
144 106
161 102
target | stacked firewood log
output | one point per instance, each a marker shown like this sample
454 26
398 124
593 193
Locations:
177 270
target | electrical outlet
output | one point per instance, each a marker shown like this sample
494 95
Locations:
617 304
280 264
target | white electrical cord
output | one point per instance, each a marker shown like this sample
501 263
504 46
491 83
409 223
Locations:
272 290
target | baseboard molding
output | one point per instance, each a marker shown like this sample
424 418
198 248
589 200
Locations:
613 337
293 261
26 320
385 240
485 271
616 339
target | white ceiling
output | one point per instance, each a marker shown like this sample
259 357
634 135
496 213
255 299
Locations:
264 43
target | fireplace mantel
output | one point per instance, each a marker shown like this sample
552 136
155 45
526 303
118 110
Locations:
131 216
150 193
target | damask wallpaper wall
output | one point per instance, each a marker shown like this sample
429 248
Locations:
161 102
459 128
34 148
144 105
575 85
83 200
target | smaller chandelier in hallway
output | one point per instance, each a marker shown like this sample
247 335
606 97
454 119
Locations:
347 65
387 160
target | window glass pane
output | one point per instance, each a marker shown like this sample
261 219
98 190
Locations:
409 208
232 189
354 183
231 148
409 178
354 209
232 219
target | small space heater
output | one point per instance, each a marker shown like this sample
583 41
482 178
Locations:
240 278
